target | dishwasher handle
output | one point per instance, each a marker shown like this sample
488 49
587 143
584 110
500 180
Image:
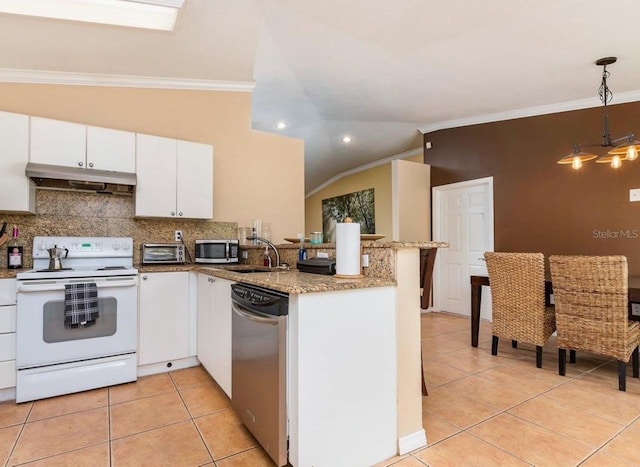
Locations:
254 315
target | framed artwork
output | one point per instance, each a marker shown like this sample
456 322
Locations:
359 206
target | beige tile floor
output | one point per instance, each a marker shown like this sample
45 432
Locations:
484 410
180 418
481 410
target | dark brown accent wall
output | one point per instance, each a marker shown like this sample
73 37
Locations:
540 206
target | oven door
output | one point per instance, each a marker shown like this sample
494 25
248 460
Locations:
43 339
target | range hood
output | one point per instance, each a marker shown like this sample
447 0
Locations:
56 176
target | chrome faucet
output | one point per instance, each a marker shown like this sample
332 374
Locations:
273 247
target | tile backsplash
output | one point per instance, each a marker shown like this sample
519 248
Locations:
77 213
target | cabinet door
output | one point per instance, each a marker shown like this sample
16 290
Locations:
156 174
7 318
58 143
222 334
17 193
109 149
164 317
195 180
205 321
7 292
7 374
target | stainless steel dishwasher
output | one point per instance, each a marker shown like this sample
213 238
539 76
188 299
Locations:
258 378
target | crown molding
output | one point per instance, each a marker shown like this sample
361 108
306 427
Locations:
362 168
621 98
169 3
9 75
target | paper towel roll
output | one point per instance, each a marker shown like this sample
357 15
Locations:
348 249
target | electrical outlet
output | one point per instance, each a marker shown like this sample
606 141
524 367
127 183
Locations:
365 261
634 194
322 255
178 235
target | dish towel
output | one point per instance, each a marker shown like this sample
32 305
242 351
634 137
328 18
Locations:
80 304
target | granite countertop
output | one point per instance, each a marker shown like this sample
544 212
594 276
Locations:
289 281
294 281
364 243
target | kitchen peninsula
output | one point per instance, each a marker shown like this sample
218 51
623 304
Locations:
354 377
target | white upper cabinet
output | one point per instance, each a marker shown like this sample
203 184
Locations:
17 193
174 178
109 149
56 142
194 186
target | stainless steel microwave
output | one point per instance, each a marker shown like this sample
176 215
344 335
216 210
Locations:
163 253
217 251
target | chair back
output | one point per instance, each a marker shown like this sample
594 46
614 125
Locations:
517 293
591 298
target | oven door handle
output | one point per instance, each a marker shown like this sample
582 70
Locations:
26 288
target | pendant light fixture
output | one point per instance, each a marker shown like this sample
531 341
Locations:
621 149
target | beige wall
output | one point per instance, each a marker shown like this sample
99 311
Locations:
256 175
379 178
411 200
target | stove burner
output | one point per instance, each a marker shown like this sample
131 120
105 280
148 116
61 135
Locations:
110 268
53 270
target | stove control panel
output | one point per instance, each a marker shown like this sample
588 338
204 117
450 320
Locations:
84 247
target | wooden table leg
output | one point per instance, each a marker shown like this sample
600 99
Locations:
476 297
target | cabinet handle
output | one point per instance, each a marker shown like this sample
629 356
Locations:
144 278
80 164
90 164
180 213
211 279
173 213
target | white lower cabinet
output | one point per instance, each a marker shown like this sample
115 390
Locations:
214 328
222 334
7 333
164 317
206 286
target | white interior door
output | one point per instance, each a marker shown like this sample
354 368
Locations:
463 217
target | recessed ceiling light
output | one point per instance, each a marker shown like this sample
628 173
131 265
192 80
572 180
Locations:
281 125
346 139
147 14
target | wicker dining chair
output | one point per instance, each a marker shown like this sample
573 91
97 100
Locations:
592 310
517 294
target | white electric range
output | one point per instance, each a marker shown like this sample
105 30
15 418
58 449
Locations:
53 358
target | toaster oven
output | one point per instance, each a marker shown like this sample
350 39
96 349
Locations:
216 251
163 253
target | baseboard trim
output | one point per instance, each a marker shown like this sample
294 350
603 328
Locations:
161 367
412 442
8 394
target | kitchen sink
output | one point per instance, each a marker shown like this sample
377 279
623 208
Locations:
246 271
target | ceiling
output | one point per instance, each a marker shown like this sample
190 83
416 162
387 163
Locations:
377 71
